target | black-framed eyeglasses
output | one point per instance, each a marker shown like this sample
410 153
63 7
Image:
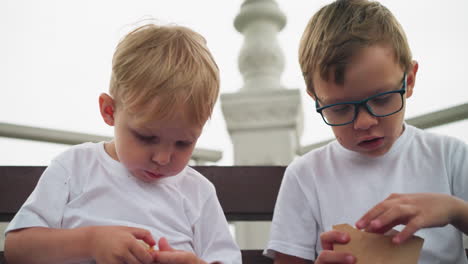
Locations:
379 105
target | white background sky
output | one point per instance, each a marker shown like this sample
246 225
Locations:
55 60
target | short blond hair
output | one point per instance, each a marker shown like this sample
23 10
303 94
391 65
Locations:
339 30
169 63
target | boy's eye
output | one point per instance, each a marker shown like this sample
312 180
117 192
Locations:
146 138
381 99
341 108
183 144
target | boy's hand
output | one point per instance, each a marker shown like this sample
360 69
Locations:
416 211
167 255
119 244
327 255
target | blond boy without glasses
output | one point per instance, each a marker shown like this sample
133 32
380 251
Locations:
96 202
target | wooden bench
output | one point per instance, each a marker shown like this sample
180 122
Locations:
245 193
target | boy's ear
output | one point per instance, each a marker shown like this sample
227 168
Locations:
311 94
107 107
411 78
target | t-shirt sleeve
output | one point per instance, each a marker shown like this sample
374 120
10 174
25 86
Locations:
294 228
44 207
212 239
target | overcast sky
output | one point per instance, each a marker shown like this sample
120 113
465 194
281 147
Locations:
55 60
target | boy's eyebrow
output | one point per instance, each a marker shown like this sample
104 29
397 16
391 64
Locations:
136 132
193 135
188 135
377 91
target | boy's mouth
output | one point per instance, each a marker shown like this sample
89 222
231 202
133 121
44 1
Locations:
154 175
371 143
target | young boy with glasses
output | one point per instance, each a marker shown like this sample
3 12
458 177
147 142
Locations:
380 172
96 202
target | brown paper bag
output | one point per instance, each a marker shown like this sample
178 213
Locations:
370 248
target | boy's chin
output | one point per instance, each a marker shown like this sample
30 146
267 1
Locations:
374 153
377 149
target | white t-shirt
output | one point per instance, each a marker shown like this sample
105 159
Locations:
333 185
84 186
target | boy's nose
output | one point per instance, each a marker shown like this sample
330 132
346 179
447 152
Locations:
162 156
364 120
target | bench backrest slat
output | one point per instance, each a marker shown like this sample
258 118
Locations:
16 183
246 193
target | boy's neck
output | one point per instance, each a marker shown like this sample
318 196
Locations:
109 147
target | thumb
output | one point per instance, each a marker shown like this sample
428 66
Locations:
144 235
164 245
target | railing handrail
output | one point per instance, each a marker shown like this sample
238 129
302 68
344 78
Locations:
200 155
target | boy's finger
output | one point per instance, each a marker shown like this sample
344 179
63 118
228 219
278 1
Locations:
173 257
328 256
377 210
385 229
130 259
390 218
373 213
143 234
164 245
333 237
142 254
406 233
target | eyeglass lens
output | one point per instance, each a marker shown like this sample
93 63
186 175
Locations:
382 105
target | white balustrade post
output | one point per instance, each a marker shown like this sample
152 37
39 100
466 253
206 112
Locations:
264 119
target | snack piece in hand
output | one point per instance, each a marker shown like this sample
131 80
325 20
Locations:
371 248
146 246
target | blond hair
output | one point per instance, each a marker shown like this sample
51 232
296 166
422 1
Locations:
339 30
164 69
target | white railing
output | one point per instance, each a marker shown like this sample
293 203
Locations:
200 156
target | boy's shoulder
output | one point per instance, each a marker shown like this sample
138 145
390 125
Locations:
195 189
192 179
425 138
83 151
82 157
330 149
316 158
